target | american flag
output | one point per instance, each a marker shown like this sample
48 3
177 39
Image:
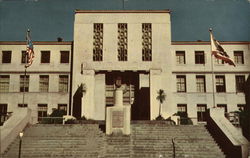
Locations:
218 51
30 51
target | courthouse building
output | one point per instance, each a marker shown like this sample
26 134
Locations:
133 47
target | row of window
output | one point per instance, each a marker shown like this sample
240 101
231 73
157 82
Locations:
42 109
220 83
122 44
201 109
45 57
200 57
43 83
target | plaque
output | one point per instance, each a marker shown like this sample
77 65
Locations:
117 119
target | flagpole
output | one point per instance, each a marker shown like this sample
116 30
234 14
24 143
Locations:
212 67
25 67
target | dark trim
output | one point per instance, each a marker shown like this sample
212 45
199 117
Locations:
34 72
208 42
36 43
123 11
209 72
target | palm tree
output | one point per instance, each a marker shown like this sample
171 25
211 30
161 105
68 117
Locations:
161 97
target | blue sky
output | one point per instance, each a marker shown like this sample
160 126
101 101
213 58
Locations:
190 19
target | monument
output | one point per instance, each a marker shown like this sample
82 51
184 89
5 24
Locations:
118 117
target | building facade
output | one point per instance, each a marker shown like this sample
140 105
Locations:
46 85
130 48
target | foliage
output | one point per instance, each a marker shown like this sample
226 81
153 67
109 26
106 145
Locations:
58 113
159 118
184 119
161 97
71 121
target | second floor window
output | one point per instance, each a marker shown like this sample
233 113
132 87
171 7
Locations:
199 57
238 57
122 42
62 107
4 83
146 42
181 83
180 57
45 56
24 83
240 83
21 105
44 83
23 58
200 83
63 83
6 56
64 56
98 42
220 83
223 106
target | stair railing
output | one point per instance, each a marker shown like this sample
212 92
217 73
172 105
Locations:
173 144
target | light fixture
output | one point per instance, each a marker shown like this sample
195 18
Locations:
21 134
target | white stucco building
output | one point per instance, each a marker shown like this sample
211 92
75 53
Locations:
133 47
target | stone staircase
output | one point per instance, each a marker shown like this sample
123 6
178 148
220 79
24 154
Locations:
147 140
60 141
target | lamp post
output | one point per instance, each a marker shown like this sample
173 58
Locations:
20 144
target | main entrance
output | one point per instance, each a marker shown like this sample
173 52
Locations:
138 97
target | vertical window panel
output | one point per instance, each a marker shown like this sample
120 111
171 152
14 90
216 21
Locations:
98 42
63 83
146 42
122 42
4 83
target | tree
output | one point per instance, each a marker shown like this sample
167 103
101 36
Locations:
161 97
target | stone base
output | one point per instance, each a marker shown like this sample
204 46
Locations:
118 120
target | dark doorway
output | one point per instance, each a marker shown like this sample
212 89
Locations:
77 102
141 107
139 98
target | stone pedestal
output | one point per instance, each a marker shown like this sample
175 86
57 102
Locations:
118 116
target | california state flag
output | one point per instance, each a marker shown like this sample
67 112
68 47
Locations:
218 51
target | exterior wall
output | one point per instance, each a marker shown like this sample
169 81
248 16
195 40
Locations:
34 96
83 51
231 98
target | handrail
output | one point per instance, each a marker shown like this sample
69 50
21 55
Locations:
173 143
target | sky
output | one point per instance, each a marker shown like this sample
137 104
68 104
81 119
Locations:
190 19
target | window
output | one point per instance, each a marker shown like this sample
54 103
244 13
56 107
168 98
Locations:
199 57
200 83
240 82
180 57
238 57
24 57
181 83
122 42
22 105
3 113
98 42
241 106
42 111
6 56
45 56
64 56
219 61
4 83
62 107
201 112
220 84
24 83
182 110
44 83
63 83
146 42
223 106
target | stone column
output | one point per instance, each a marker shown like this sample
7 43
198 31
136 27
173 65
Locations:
155 85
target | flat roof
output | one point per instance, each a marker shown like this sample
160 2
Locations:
123 11
36 43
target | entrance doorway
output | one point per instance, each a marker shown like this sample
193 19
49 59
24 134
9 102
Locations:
139 98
